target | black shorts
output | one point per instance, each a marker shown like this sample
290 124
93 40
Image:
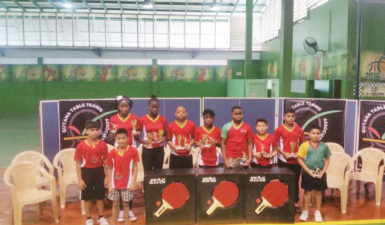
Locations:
180 162
94 179
310 183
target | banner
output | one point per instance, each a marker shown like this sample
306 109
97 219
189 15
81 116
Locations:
74 114
329 115
372 124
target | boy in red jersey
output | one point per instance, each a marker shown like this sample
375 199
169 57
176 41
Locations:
292 136
180 136
237 140
122 170
265 146
208 138
90 156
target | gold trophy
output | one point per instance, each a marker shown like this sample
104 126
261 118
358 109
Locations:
204 141
149 139
160 136
133 122
264 154
292 147
178 143
185 144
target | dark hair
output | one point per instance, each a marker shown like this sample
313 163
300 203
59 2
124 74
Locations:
91 124
288 110
262 120
312 127
121 131
208 112
153 99
235 107
180 106
121 98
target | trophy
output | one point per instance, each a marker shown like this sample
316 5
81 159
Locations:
204 141
149 139
133 122
292 147
185 144
114 128
178 143
264 154
160 138
317 172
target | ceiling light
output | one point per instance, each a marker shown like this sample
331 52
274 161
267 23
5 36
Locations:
67 5
214 6
147 4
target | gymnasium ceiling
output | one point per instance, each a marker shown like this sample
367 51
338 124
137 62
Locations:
188 7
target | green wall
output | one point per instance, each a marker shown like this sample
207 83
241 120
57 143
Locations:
331 24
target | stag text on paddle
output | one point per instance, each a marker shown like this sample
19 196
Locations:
209 180
157 181
256 179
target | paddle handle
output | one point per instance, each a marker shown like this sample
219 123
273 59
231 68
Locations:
262 206
161 210
212 208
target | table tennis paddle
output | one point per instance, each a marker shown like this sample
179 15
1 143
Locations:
174 196
225 195
274 194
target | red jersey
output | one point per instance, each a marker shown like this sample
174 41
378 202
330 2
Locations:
153 130
291 139
128 123
122 167
91 157
237 137
208 155
266 144
181 135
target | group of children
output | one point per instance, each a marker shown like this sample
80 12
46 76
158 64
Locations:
117 170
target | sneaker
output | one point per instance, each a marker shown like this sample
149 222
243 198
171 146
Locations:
317 216
121 216
304 215
89 222
103 221
132 216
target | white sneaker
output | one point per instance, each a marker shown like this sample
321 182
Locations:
304 215
103 221
121 216
132 216
317 216
89 222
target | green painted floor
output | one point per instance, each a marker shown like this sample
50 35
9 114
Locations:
17 134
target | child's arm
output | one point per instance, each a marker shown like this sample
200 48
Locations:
134 176
326 165
250 151
109 175
223 149
172 146
303 165
275 152
81 183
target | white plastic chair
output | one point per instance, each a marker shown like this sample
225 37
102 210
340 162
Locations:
39 159
66 168
371 171
338 175
20 177
335 147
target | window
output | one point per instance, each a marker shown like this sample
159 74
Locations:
130 30
161 32
113 31
64 30
177 32
192 32
207 33
146 28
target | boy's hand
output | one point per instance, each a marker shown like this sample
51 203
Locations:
257 155
81 184
227 163
132 186
110 190
247 163
286 155
105 182
135 133
212 142
312 173
320 174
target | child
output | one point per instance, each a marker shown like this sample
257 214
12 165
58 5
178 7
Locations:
265 146
180 136
208 137
313 156
128 121
124 119
292 136
237 140
154 129
90 155
122 170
